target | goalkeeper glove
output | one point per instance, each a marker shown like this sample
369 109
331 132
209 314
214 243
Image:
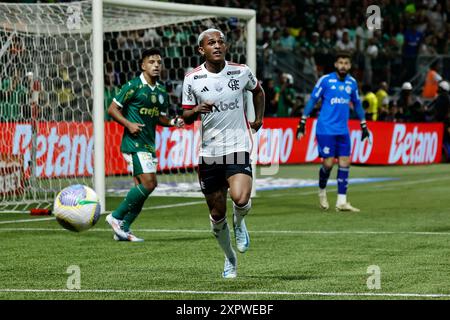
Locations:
301 128
365 132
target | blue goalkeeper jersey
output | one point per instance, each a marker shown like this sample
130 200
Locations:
336 96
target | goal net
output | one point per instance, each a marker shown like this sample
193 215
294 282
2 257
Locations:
48 110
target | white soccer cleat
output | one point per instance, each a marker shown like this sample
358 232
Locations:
346 207
323 201
116 237
242 237
230 268
119 233
115 225
130 237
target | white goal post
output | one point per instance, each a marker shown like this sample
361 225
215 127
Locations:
60 66
182 9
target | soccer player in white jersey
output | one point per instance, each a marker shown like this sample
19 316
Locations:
215 91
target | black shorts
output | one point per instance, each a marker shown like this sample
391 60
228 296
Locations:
213 172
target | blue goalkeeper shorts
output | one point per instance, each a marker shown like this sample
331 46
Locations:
333 145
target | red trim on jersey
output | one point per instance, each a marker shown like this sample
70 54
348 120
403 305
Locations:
188 106
235 64
197 69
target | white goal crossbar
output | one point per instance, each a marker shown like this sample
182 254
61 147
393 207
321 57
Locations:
98 80
61 66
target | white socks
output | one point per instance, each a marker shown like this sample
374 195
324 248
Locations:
222 233
341 199
221 230
240 212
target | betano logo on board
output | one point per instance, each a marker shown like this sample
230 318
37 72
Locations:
67 148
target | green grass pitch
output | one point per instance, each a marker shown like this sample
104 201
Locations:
297 251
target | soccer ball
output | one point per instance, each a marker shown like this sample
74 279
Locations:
77 208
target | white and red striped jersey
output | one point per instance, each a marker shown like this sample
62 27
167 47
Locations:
224 130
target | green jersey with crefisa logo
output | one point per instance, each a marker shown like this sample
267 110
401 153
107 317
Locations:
143 104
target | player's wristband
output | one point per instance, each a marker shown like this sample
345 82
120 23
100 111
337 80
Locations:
363 124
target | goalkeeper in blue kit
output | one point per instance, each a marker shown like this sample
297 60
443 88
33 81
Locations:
336 90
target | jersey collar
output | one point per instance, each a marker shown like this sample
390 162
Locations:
338 78
215 74
146 83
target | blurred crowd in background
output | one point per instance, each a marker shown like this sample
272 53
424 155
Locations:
402 68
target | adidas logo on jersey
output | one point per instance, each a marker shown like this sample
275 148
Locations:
204 89
248 169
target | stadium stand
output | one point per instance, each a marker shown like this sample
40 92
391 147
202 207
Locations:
299 38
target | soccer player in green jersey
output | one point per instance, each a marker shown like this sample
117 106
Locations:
140 105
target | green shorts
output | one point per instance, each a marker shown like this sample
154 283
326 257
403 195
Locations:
140 162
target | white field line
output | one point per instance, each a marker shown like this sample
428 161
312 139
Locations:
26 220
404 183
277 232
386 185
194 292
273 195
305 193
145 208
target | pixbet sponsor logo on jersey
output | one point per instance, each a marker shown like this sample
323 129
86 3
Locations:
221 106
337 100
56 154
413 146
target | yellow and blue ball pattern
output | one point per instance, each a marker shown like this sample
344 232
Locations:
77 208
